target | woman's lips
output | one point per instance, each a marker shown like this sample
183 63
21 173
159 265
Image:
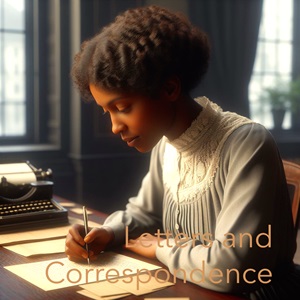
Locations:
130 141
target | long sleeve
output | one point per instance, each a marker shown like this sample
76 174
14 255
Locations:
250 189
143 213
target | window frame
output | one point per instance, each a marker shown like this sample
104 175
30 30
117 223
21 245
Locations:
28 33
264 73
36 50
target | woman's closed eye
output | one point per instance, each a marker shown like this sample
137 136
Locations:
119 109
123 108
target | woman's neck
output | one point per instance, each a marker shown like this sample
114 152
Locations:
186 110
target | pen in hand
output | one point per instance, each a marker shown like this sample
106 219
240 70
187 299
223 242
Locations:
86 229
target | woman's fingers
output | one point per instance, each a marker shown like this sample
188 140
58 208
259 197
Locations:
97 238
77 233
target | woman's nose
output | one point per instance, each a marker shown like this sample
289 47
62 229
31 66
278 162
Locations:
117 126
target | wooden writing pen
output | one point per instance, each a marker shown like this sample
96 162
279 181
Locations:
86 229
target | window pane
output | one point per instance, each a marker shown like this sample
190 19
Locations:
259 61
13 84
285 21
269 20
14 119
1 120
273 58
14 68
269 54
284 58
13 14
1 68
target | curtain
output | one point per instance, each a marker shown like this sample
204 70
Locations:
233 27
296 38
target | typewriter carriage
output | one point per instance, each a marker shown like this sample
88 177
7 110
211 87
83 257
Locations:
22 181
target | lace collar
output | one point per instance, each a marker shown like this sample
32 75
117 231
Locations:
197 130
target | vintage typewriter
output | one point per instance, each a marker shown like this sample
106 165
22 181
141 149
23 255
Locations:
26 198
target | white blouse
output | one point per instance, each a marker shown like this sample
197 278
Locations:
221 188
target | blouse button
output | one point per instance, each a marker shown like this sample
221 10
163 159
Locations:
177 226
177 212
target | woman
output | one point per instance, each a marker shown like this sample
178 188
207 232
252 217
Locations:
214 203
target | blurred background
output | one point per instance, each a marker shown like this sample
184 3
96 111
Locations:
254 71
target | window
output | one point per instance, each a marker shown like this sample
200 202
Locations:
12 68
273 59
30 72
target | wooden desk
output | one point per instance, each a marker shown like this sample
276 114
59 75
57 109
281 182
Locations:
14 287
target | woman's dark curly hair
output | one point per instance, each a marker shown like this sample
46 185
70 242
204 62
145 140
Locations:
139 51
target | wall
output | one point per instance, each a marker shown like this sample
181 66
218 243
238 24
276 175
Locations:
107 172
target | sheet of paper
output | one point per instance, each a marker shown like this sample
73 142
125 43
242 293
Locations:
61 273
17 173
169 298
40 234
104 289
142 284
90 295
39 248
137 284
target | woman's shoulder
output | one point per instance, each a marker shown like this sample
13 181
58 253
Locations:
249 141
251 132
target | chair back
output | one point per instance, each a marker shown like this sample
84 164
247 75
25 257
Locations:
292 173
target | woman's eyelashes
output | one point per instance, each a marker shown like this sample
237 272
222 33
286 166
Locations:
117 108
123 108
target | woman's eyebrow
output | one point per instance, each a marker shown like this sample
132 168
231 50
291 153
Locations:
110 102
114 100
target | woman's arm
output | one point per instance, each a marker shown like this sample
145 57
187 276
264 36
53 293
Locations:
144 212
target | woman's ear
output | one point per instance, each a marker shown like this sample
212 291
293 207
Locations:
171 89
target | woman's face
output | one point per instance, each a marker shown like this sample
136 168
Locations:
141 121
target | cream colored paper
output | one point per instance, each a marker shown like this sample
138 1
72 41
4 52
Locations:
39 248
90 295
137 285
33 235
17 173
169 298
143 284
61 273
40 234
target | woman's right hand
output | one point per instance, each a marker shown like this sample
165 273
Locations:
98 239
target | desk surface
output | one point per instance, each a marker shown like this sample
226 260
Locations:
14 287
